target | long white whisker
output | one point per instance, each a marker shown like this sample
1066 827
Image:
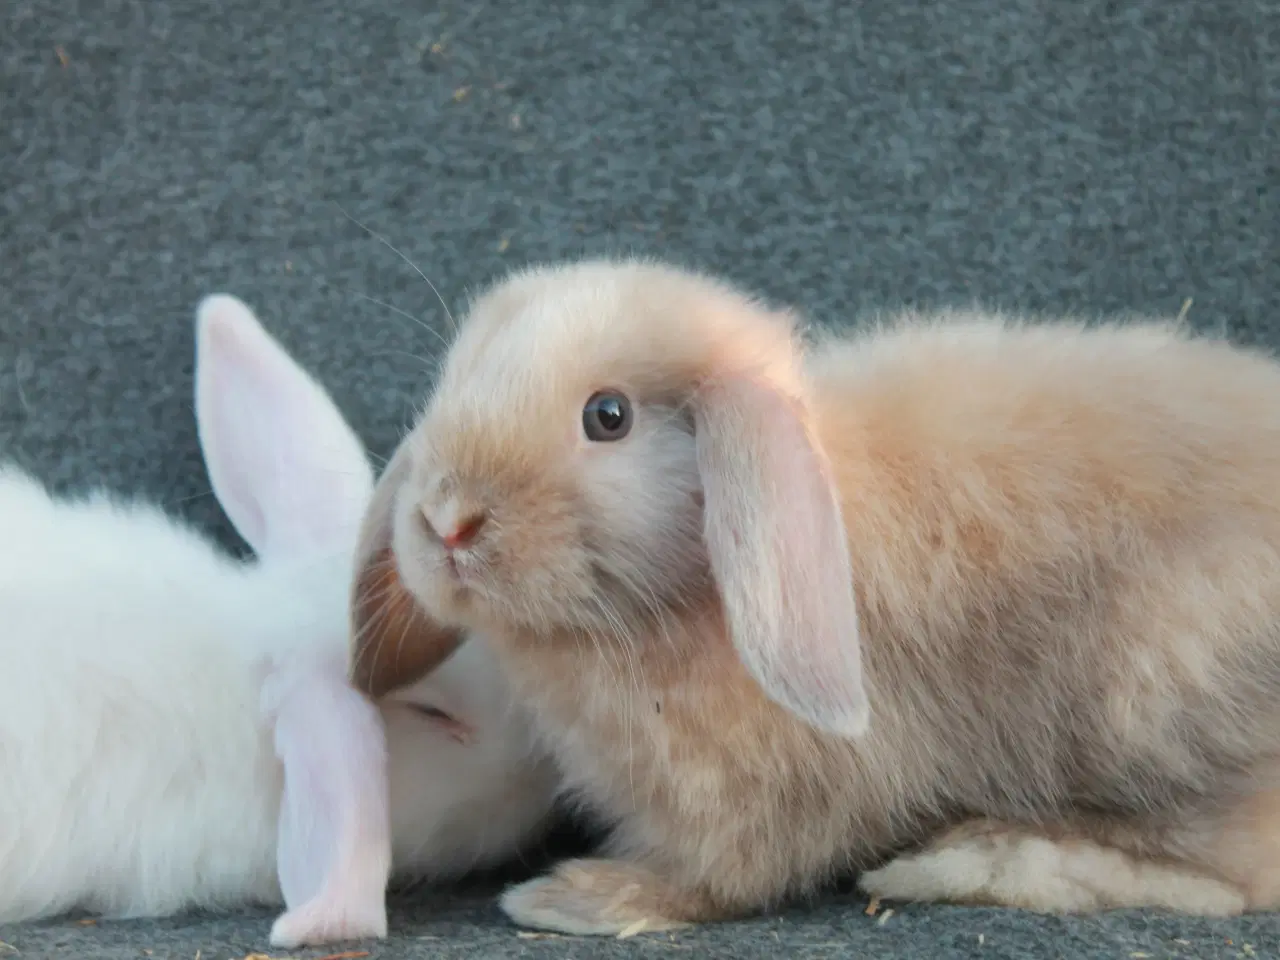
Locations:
407 315
387 243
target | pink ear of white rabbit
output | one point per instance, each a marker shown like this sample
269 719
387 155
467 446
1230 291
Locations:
334 845
289 471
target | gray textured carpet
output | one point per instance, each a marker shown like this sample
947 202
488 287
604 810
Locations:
1087 156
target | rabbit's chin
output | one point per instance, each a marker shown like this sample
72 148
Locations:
480 596
458 597
506 612
451 600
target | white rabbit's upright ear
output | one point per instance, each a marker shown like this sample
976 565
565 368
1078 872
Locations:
334 845
288 470
779 552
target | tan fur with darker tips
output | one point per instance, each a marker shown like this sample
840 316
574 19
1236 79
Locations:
1065 547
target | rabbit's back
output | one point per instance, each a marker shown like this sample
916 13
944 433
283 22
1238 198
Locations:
1067 551
137 776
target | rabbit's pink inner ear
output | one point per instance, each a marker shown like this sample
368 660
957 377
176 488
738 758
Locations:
780 554
288 470
334 841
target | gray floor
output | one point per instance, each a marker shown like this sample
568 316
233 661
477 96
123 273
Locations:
1086 156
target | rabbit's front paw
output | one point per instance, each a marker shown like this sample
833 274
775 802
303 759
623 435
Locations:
595 897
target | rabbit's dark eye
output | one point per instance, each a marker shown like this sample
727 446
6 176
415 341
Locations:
607 416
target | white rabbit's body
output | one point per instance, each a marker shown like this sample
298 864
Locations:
141 771
94 697
140 776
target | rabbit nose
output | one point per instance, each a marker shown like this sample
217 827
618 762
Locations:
455 531
464 531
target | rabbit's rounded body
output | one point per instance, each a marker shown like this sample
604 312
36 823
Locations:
1070 603
1066 548
1063 546
139 774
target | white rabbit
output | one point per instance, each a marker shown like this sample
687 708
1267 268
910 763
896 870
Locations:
176 727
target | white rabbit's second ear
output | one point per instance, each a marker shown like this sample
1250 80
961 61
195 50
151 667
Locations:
334 843
290 473
780 554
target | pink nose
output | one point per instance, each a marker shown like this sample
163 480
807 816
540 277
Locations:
464 533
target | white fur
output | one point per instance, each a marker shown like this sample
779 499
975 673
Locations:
140 775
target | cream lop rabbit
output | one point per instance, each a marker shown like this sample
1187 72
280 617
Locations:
987 609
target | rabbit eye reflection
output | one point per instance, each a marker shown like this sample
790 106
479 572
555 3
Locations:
607 416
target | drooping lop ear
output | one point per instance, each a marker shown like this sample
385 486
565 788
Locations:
394 641
779 552
333 852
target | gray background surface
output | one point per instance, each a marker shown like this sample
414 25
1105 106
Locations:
1081 156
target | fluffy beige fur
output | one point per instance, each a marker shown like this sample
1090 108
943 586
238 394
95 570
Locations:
1060 686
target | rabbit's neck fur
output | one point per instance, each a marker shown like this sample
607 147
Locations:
672 741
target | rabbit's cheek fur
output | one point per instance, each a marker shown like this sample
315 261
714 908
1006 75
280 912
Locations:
604 535
641 504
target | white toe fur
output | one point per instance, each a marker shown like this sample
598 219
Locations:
1036 873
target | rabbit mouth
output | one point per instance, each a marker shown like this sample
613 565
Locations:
461 573
459 585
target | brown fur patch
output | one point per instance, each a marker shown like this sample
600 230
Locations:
398 644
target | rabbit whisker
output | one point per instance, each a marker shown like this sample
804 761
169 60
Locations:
387 243
407 315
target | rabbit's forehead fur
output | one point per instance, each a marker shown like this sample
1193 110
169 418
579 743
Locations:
546 338
535 347
502 431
